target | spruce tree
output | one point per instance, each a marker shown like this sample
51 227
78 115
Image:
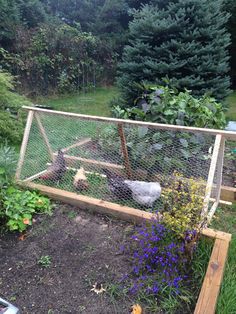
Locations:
184 40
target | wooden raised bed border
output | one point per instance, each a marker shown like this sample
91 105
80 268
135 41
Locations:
207 299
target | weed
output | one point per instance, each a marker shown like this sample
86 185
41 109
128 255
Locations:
45 261
72 214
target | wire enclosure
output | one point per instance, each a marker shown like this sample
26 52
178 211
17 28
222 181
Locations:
114 153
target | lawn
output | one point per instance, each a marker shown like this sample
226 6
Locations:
92 103
231 100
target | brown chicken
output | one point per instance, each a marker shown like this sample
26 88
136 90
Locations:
80 180
56 170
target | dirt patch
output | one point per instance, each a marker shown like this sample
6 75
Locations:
83 249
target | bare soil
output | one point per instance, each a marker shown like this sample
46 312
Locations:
83 248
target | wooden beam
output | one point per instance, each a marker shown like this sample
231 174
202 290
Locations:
215 234
131 214
93 162
226 134
228 193
124 150
35 176
24 144
82 142
212 211
211 174
207 300
89 203
44 135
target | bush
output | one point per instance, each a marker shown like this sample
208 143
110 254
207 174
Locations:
169 106
11 128
183 204
8 98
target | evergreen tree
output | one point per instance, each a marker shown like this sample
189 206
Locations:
231 8
185 40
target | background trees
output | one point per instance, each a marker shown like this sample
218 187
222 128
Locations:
185 40
182 46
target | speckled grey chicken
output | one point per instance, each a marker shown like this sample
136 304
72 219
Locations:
144 193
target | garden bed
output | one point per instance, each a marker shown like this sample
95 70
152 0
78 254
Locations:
76 249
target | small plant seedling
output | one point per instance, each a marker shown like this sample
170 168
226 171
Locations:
72 214
45 261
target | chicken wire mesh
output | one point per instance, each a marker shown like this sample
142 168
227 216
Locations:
121 163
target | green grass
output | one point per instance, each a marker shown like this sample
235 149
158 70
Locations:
226 221
231 100
95 102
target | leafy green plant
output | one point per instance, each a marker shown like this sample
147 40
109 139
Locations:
45 261
167 105
19 206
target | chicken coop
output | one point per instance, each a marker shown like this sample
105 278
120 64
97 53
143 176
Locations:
117 166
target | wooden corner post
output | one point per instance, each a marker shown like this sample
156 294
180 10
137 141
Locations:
211 174
24 144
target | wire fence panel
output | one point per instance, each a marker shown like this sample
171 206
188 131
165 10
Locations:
121 163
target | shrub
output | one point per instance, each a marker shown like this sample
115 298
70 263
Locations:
183 204
10 128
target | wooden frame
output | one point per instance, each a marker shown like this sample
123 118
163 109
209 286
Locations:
210 289
207 299
216 160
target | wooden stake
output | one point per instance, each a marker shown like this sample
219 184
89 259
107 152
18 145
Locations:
24 144
124 150
44 135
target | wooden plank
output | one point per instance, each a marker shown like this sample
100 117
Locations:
211 174
134 216
24 144
206 303
89 203
80 143
44 135
124 150
228 193
215 234
226 134
101 164
35 176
